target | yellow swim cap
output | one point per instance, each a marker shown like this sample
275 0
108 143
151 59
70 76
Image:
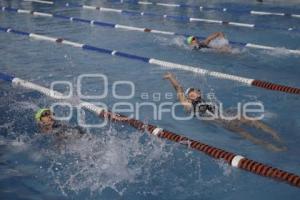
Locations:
39 113
190 39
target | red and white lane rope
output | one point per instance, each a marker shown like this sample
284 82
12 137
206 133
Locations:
235 160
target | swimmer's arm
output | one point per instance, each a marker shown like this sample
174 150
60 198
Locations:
114 116
179 90
212 37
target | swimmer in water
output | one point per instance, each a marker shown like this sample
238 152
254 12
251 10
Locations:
215 41
192 101
48 125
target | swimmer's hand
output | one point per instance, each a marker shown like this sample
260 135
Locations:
168 76
113 116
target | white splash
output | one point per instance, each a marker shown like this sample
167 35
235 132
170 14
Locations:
179 41
95 163
219 43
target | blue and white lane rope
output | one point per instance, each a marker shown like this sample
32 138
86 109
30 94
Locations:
132 28
232 159
221 9
50 93
177 18
166 64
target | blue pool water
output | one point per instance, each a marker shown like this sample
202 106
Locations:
118 162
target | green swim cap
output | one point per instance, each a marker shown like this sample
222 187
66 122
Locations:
39 113
190 39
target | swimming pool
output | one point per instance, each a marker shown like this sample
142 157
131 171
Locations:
119 161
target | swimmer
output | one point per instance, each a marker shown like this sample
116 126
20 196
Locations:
192 101
214 41
48 125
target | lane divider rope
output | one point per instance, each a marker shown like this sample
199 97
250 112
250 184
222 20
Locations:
162 63
232 159
132 28
184 19
209 8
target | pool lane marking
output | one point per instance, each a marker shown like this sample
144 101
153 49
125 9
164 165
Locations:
179 18
162 63
232 159
132 28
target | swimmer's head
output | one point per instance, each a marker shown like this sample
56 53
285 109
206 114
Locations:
193 94
44 117
191 40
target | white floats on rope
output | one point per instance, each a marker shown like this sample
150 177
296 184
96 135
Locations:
132 28
219 75
54 94
74 44
43 90
129 28
265 13
168 4
241 24
42 14
42 37
256 46
40 1
110 10
236 161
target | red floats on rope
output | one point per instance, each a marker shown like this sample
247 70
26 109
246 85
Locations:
273 86
230 158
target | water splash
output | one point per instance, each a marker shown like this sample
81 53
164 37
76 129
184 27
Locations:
124 162
96 163
219 43
179 41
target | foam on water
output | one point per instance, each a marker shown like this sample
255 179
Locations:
179 41
227 169
219 43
